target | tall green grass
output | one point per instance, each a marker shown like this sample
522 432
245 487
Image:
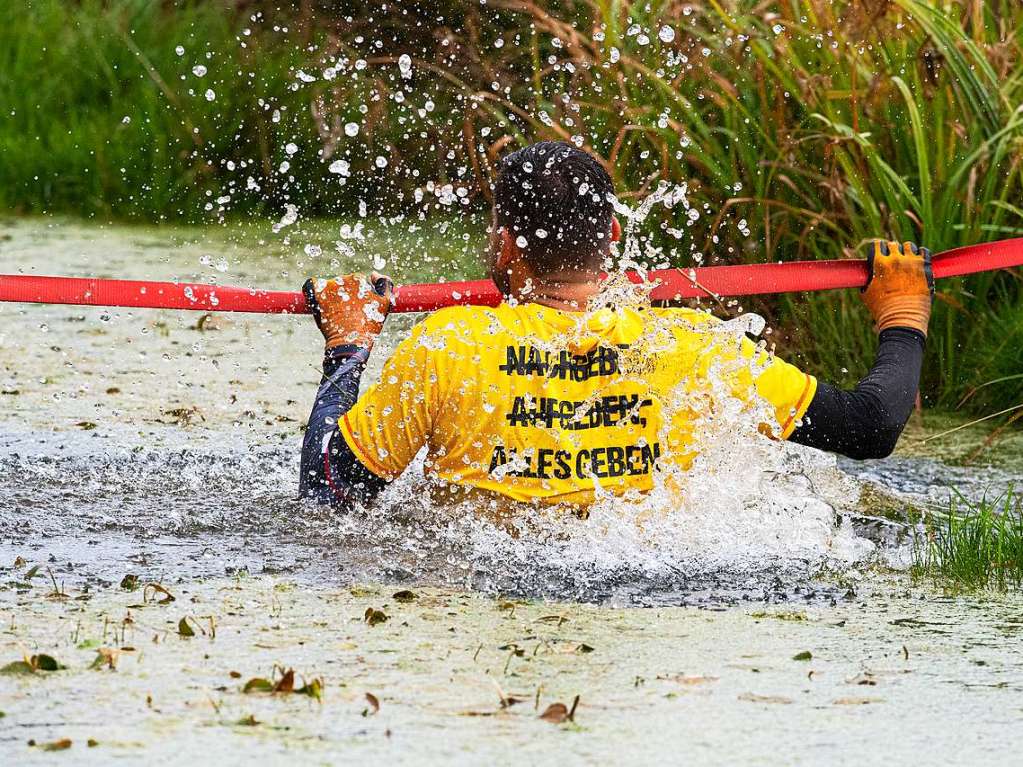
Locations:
975 545
802 127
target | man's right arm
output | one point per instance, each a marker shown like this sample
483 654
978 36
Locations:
867 421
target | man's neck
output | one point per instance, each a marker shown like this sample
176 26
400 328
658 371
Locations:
567 291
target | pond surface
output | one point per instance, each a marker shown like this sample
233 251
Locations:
152 444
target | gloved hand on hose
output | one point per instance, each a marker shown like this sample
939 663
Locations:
349 309
901 286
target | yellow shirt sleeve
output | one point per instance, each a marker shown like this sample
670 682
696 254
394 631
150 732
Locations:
393 419
786 387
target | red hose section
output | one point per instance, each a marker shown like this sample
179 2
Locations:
743 280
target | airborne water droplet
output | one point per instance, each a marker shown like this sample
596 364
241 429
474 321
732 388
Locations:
405 65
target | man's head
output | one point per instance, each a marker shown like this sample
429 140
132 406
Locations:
552 213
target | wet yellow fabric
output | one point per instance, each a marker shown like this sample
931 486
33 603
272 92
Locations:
539 404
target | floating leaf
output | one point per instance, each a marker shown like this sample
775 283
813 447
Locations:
753 698
785 615
258 684
286 683
19 562
313 689
374 616
805 655
105 656
86 425
184 629
130 582
32 573
374 704
153 589
92 743
866 679
855 701
404 596
17 667
248 721
56 745
690 680
556 713
46 663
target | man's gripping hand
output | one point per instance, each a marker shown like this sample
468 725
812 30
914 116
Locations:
349 309
901 285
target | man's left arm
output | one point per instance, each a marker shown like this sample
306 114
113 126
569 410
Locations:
866 421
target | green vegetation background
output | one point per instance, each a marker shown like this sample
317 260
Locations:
802 127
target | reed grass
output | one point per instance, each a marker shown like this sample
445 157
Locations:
803 128
975 545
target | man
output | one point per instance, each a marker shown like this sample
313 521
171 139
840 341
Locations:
551 397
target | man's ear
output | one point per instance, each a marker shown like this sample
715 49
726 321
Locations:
616 229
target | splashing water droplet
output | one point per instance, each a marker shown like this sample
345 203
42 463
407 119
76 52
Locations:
199 70
666 34
351 129
405 65
341 167
210 94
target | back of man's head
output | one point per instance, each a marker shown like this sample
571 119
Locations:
554 201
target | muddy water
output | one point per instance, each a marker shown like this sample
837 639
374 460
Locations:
152 444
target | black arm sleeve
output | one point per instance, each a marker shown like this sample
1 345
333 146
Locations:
867 421
330 472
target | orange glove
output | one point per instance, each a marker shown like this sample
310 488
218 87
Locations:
349 309
901 286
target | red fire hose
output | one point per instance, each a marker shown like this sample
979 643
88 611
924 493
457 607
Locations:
752 279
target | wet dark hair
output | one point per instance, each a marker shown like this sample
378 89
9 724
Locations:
555 197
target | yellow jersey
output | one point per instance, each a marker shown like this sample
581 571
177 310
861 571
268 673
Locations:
538 404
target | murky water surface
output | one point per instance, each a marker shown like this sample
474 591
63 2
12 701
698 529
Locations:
152 444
